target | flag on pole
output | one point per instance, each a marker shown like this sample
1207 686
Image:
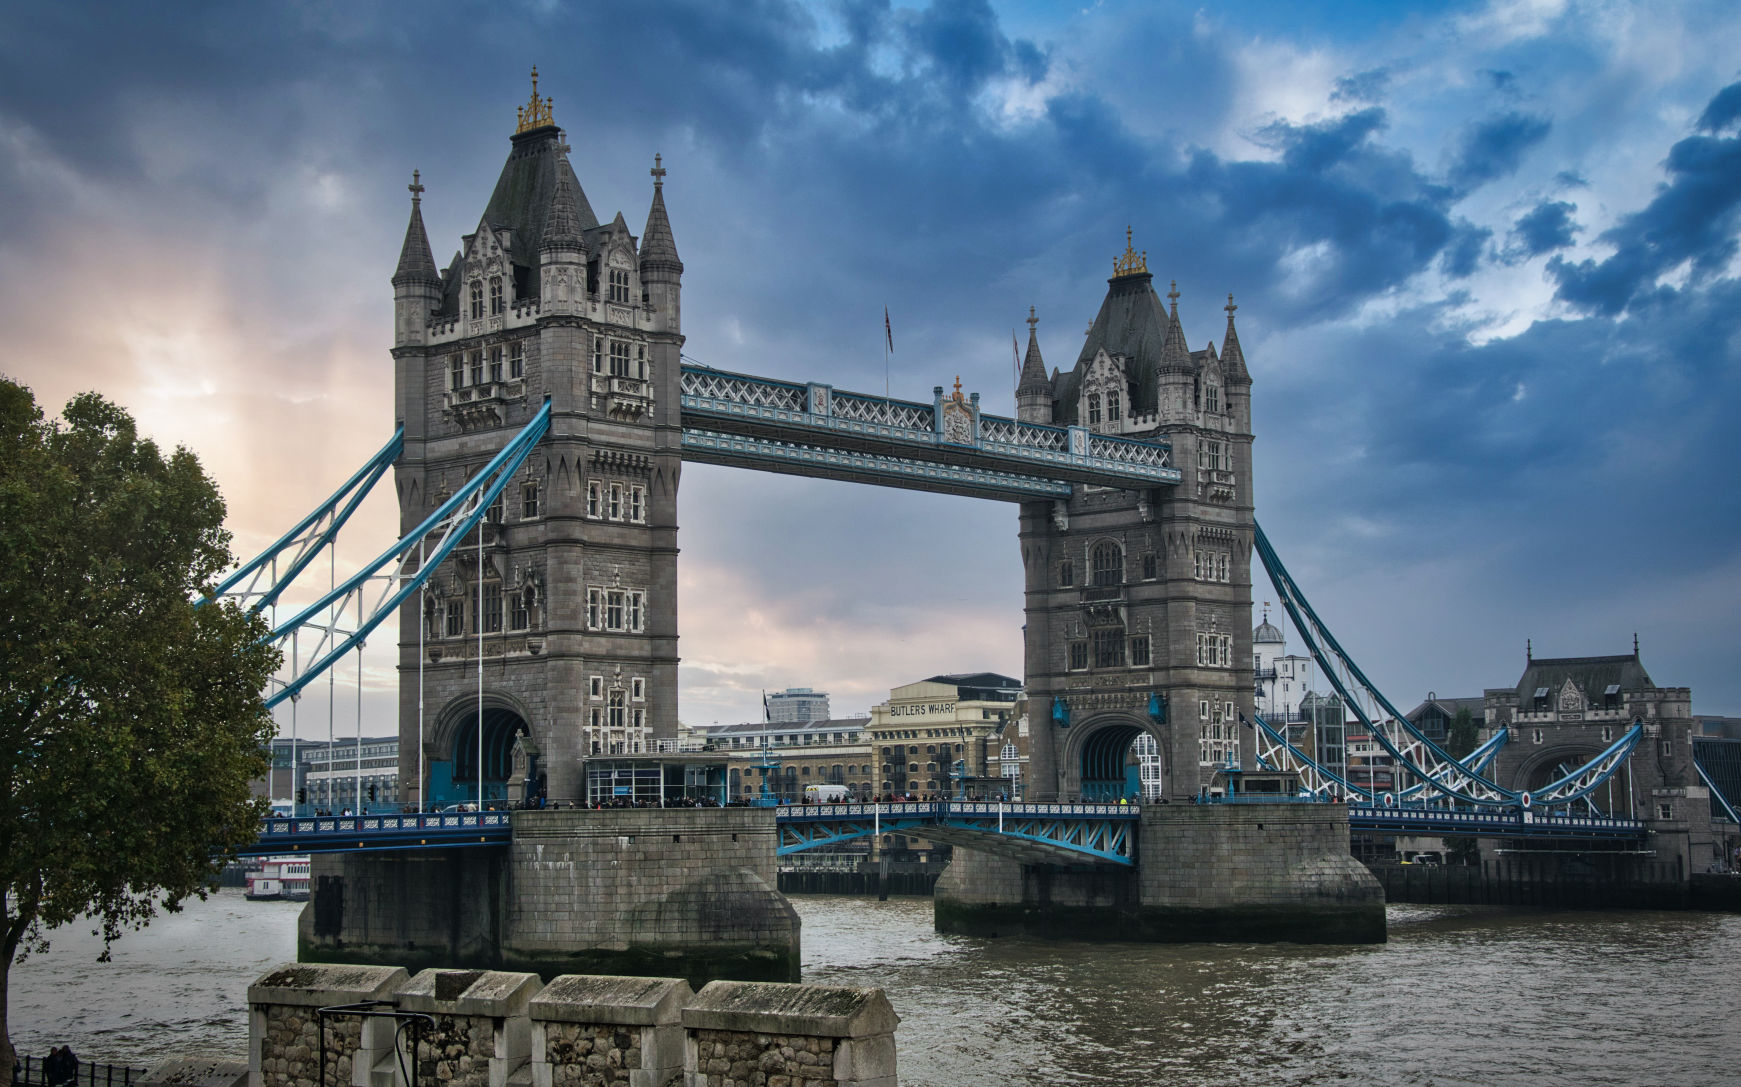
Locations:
1016 353
888 329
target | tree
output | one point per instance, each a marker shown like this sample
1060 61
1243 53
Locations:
1461 739
131 722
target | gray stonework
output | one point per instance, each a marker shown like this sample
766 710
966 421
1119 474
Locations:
594 321
688 891
1157 588
1246 872
583 1031
284 1032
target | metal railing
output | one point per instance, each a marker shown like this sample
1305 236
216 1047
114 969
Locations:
28 1072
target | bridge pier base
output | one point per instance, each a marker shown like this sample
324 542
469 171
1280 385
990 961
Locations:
1213 872
675 892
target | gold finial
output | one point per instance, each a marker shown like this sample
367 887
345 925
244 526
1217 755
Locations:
658 171
1032 320
536 113
1131 264
416 187
958 388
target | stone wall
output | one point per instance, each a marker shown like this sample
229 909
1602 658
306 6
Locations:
480 1029
1242 872
655 891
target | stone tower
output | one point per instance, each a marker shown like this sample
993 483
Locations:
575 611
1139 603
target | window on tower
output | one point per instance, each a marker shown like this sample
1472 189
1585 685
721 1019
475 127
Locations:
529 500
1139 651
1078 656
477 299
1211 397
1150 566
456 372
619 285
495 296
455 618
1066 574
1093 409
495 364
598 354
1108 561
641 361
1112 406
619 358
492 614
522 617
1109 647
516 360
476 358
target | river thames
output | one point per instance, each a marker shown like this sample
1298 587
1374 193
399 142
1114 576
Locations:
1458 996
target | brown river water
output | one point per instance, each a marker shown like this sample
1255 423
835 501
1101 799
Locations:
1459 996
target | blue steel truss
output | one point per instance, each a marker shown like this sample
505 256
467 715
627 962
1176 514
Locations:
1097 832
1440 778
783 426
291 553
343 618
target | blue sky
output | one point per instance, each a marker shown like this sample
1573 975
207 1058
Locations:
1485 256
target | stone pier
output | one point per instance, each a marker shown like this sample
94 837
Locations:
1211 872
685 892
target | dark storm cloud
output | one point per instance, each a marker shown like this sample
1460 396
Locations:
1692 221
1546 227
1494 147
1467 246
1367 86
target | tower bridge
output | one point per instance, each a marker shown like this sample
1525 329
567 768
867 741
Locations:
543 416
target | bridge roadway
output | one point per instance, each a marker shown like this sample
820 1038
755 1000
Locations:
1032 833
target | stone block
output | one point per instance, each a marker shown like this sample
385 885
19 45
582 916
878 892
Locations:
823 1011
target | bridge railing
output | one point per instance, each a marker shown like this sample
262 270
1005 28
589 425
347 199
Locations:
931 809
452 821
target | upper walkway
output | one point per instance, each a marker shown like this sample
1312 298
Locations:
947 445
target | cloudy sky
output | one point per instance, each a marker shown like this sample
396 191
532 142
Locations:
1485 256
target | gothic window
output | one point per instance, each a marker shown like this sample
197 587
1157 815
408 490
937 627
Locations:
522 611
1066 574
1108 561
596 687
494 514
616 507
614 609
1109 647
638 689
477 361
1214 650
516 360
455 618
528 500
1078 656
593 497
619 358
637 611
1212 456
495 364
456 372
641 361
1212 565
491 620
477 299
1211 397
638 503
618 708
1139 651
495 296
620 285
1150 566
1112 406
1093 409
598 354
594 610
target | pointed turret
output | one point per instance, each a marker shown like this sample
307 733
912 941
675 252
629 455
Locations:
661 268
1231 356
1175 354
561 250
416 260
416 283
1034 391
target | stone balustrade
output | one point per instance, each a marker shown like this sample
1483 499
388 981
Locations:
491 1028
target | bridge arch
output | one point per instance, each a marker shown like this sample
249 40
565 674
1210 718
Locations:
1098 762
452 748
1543 767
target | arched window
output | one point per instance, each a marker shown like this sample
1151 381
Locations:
1108 561
1093 409
1211 396
495 296
1112 406
477 296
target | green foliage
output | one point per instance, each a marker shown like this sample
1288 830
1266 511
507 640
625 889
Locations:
131 722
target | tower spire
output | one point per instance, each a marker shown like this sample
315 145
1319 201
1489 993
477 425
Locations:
1231 356
658 246
416 262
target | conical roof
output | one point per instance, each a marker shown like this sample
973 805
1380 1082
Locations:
1232 358
416 261
1132 323
1033 366
562 222
658 247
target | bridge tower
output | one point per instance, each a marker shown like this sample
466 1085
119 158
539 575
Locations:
568 592
1138 605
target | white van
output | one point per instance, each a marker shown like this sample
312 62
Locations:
826 794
